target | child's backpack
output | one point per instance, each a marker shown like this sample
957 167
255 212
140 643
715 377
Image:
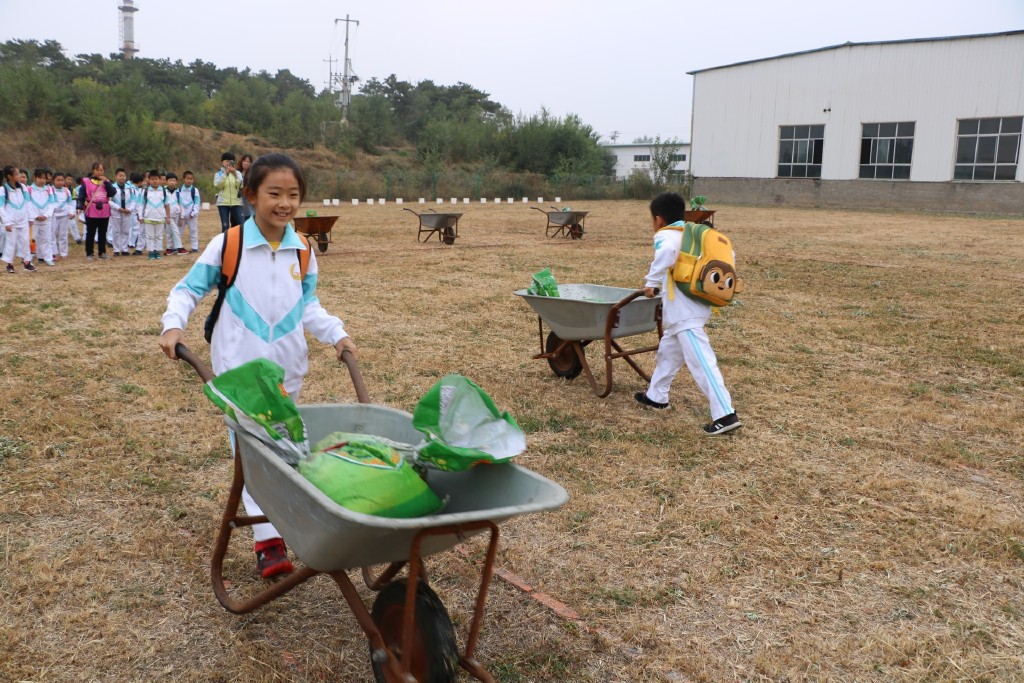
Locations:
706 267
230 259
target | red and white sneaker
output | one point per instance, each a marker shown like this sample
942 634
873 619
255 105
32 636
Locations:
272 558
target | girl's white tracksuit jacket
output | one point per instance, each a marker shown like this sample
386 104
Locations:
267 310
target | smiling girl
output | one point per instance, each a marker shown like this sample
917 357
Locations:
267 310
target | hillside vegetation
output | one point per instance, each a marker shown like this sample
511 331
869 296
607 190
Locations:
61 111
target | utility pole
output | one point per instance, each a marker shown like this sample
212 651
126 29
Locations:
347 79
330 71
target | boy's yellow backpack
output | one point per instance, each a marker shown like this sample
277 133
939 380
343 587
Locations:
706 267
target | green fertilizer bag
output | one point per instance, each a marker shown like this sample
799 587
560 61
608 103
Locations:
543 284
253 397
463 427
364 474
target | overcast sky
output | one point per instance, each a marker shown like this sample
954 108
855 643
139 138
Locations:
620 66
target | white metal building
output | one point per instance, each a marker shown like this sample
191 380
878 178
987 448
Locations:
836 125
638 155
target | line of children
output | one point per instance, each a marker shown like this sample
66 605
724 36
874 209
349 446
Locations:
51 208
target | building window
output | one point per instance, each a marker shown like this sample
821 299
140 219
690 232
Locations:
988 149
886 150
800 151
641 157
678 157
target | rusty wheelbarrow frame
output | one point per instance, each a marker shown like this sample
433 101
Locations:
398 637
444 225
316 228
564 223
564 347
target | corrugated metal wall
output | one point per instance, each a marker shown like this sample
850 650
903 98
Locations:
737 110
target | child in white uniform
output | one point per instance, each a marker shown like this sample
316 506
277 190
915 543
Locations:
173 232
277 306
122 206
63 215
154 214
684 338
189 199
40 198
14 218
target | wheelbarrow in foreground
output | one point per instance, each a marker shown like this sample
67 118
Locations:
444 225
317 228
410 633
583 313
564 223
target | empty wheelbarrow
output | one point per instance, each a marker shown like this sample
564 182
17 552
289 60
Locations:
410 634
564 223
316 228
583 313
444 225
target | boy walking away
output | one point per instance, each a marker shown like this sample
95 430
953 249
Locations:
190 201
40 198
683 317
122 206
173 232
14 217
155 214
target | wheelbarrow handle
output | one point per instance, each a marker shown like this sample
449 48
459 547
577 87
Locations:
357 378
410 211
537 208
183 353
204 372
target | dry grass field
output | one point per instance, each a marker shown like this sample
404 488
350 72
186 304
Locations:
867 524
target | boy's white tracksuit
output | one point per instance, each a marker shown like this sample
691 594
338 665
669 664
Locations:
122 206
266 313
684 338
40 208
171 232
137 236
153 216
190 201
14 214
63 219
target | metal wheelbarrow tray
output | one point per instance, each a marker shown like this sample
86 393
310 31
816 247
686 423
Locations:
410 634
317 228
564 223
444 225
328 537
583 313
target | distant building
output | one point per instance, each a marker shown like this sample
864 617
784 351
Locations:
930 123
638 155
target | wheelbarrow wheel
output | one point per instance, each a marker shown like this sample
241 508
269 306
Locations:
321 242
566 364
448 236
576 231
435 655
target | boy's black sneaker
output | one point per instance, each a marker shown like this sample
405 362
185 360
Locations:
723 425
641 398
29 267
10 268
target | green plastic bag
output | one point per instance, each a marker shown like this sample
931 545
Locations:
543 284
365 474
253 397
463 427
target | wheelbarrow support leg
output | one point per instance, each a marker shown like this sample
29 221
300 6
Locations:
229 522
